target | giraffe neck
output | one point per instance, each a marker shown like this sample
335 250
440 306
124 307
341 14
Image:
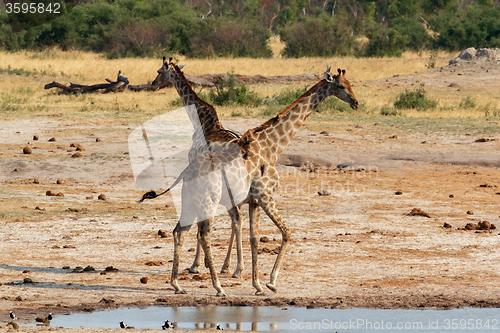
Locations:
202 115
275 135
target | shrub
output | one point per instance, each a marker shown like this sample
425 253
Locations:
317 37
467 103
384 42
231 92
416 99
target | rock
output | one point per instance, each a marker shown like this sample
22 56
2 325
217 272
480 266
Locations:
59 182
470 226
36 181
484 225
60 194
418 212
13 325
470 212
451 196
77 154
398 193
162 233
447 225
197 277
323 132
154 263
111 269
66 267
264 239
90 197
102 197
97 140
35 137
144 279
26 150
52 139
453 85
89 269
324 193
484 140
27 280
50 194
107 301
26 271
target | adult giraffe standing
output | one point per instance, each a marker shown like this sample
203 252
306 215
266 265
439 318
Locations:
208 136
254 174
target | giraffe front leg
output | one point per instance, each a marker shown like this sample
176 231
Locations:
197 260
236 233
179 234
227 260
254 216
204 233
271 211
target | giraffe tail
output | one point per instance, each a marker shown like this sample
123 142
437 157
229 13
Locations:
153 194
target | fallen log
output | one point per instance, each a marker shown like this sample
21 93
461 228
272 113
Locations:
120 84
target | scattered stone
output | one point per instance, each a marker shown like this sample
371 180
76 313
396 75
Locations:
324 193
453 85
38 208
26 271
27 280
52 139
447 225
102 197
418 212
192 249
107 301
36 181
484 225
50 194
56 247
154 263
77 154
451 196
13 325
19 299
197 277
35 137
144 279
69 247
162 233
111 269
97 140
470 212
324 133
484 140
485 185
60 194
264 239
66 267
398 193
90 197
470 226
59 182
393 137
89 269
26 150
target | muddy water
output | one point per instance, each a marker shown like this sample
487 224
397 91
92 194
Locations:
264 319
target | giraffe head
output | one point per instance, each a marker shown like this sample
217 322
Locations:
340 87
165 74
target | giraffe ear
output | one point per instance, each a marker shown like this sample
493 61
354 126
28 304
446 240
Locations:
339 71
343 72
164 58
170 59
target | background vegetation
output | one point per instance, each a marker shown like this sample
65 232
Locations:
242 28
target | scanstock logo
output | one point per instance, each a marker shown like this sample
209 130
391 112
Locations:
159 156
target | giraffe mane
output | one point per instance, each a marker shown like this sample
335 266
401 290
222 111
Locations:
276 118
186 82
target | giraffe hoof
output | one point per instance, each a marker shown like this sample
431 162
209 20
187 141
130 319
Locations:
193 271
260 293
236 276
224 271
272 287
183 292
221 294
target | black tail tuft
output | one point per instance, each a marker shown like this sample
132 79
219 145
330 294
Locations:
148 195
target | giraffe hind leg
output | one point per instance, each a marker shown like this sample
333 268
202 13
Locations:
204 233
197 260
271 211
254 214
179 234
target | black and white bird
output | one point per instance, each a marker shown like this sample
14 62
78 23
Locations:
49 317
13 316
122 325
167 326
218 328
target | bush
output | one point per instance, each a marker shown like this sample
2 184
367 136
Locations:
317 37
230 92
467 103
384 42
414 100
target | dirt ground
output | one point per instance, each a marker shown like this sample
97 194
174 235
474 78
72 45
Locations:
356 246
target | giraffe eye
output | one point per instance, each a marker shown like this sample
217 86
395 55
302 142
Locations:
341 87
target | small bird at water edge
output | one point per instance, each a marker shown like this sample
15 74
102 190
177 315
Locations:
167 326
122 325
219 328
13 316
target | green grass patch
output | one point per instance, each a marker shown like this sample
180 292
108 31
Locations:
416 99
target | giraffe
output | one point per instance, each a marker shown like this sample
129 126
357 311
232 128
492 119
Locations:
208 136
256 173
